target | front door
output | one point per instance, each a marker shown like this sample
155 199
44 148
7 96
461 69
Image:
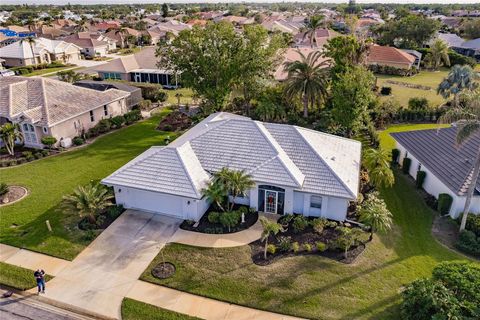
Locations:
271 201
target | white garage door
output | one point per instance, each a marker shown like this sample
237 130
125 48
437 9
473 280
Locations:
156 202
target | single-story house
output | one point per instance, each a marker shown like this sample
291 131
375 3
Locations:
44 51
469 48
448 167
89 43
390 56
139 67
290 55
132 100
295 170
48 107
320 38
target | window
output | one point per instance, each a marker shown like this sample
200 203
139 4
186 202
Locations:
316 202
105 110
45 130
92 118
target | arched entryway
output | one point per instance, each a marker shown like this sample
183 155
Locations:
271 199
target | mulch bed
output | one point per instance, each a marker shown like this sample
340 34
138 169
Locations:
84 224
175 121
7 160
14 193
164 270
205 226
328 237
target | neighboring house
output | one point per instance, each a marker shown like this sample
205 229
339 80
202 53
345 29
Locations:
117 37
282 25
107 25
43 106
89 44
448 166
44 51
290 55
417 55
319 40
451 39
469 48
132 100
140 67
390 56
296 170
172 26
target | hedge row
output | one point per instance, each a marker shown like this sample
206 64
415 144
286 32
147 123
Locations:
29 69
106 125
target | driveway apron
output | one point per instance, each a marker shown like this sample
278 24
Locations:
101 276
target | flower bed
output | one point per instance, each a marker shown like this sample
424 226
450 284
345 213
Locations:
205 225
14 194
175 121
23 155
304 235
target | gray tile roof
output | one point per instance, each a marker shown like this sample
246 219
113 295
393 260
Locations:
281 155
48 101
438 152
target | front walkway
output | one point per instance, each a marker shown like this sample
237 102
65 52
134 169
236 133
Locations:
197 306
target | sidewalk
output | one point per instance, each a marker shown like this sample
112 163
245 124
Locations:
197 306
236 239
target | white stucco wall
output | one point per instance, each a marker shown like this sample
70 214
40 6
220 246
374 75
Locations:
434 186
161 203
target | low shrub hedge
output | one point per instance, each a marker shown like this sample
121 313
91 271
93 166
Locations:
106 125
444 203
469 243
473 224
395 155
78 141
386 91
406 165
421 175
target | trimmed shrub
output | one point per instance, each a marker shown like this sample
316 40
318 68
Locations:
230 219
28 158
271 248
13 162
21 160
117 121
38 155
295 247
444 203
103 125
145 104
473 224
213 217
406 165
49 141
386 91
78 141
395 155
27 153
132 116
285 220
284 244
307 247
318 224
3 188
469 243
161 96
45 152
418 104
421 175
299 223
114 211
321 246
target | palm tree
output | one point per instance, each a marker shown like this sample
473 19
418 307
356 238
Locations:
178 95
9 133
265 110
377 162
235 183
438 54
122 32
374 213
307 78
31 42
269 228
88 201
215 193
459 78
467 118
311 27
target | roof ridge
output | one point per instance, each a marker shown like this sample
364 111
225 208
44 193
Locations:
352 193
178 151
45 102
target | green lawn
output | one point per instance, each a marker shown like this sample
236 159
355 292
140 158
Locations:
41 72
316 287
23 224
18 277
136 310
426 78
186 96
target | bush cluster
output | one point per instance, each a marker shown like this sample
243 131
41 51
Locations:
23 70
228 219
395 155
444 203
468 242
393 70
27 156
406 165
106 125
421 175
386 91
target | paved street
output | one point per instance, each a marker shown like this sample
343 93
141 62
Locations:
22 308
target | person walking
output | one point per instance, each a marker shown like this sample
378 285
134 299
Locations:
40 278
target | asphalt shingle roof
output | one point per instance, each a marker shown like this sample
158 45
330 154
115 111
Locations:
283 155
438 152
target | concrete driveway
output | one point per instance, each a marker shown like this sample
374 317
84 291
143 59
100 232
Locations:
102 275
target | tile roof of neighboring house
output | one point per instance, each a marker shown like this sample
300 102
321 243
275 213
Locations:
173 26
277 154
438 152
386 55
472 44
47 101
451 39
144 59
18 29
291 54
86 40
22 50
320 39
